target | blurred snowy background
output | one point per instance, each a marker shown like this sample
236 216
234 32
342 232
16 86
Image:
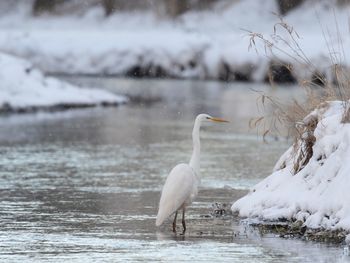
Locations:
199 39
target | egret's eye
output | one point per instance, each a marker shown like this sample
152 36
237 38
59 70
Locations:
207 118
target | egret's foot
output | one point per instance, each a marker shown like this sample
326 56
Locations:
174 222
184 227
183 221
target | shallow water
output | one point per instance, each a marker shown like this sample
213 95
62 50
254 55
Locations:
83 185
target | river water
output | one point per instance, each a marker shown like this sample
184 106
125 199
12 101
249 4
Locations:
84 185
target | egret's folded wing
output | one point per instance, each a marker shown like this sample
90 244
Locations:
177 188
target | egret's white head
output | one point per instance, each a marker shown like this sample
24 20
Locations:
205 118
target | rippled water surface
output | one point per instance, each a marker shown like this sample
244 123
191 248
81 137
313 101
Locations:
84 185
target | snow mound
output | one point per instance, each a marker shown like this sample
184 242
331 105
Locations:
24 87
318 192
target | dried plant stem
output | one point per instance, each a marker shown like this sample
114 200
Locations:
289 116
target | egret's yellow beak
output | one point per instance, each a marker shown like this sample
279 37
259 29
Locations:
218 120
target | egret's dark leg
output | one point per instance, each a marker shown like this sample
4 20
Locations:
174 223
183 220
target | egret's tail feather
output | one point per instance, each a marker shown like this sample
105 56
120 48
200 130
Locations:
160 219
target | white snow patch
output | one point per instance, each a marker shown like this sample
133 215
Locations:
319 194
23 86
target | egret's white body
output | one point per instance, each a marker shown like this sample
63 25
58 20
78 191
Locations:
179 191
181 185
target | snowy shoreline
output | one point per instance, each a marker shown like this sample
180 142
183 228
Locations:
310 189
24 88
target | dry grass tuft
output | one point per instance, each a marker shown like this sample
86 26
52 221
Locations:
318 90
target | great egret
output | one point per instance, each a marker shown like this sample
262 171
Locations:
181 185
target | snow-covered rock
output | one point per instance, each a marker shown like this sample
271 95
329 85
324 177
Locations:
317 193
23 87
208 44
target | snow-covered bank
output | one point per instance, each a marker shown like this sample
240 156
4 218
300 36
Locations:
196 45
25 88
316 190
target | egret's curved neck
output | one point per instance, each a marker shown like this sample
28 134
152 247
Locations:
195 159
